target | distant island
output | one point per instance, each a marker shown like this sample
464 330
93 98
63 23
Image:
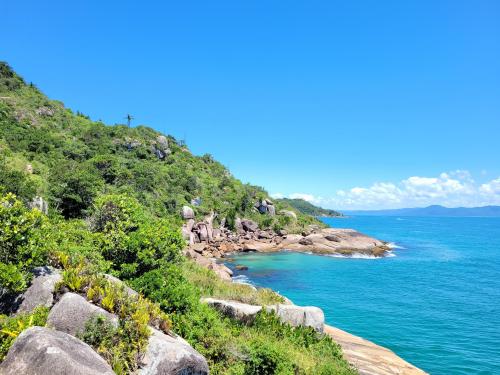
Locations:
307 208
435 210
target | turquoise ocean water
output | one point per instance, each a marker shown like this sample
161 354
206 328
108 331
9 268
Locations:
436 302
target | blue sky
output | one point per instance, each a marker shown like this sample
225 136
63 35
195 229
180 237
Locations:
353 104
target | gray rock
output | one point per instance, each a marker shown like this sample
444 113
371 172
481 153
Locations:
216 233
40 204
271 210
40 292
249 225
238 224
236 310
332 238
196 201
42 351
282 232
306 241
45 111
187 213
162 142
72 312
171 355
190 225
131 292
307 316
161 149
186 233
202 231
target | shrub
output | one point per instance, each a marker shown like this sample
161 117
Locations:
20 229
130 239
16 182
73 188
169 288
265 359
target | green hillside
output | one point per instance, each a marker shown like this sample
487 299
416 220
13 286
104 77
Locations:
114 198
67 159
308 208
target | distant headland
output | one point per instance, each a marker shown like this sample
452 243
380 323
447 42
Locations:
435 210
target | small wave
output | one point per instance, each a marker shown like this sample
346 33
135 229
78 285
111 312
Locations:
389 254
399 219
392 245
243 279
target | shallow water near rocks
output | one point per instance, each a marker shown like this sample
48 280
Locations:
436 303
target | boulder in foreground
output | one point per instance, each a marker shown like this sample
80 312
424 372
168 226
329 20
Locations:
43 351
40 292
72 312
171 355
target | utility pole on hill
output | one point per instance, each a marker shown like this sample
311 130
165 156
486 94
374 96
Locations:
129 119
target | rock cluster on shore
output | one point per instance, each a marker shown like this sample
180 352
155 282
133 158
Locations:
208 241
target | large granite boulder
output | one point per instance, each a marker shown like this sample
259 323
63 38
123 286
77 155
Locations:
202 231
43 351
171 355
236 310
72 312
271 210
187 213
249 225
40 292
265 206
306 316
161 149
238 225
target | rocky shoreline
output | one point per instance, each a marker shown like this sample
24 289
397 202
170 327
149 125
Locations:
208 244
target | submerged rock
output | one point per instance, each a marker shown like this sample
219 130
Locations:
171 355
43 351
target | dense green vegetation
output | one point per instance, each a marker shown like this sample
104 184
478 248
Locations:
308 208
114 197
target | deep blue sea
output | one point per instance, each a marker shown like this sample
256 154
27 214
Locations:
436 302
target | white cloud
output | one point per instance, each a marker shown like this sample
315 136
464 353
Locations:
451 189
491 188
306 197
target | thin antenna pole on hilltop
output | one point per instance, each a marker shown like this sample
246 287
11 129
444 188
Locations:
129 119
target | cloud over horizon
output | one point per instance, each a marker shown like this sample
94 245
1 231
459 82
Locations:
450 189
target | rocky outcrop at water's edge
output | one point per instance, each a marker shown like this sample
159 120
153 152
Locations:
212 242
